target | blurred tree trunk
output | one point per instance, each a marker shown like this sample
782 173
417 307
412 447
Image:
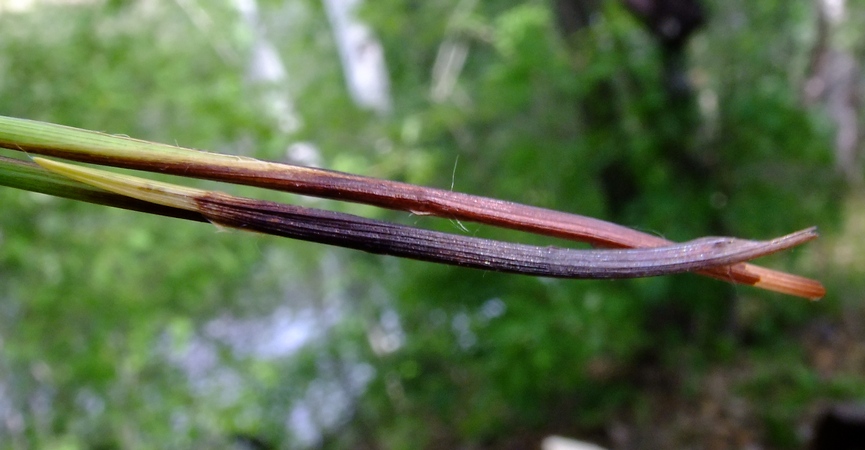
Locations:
362 56
574 15
676 121
833 81
671 22
597 111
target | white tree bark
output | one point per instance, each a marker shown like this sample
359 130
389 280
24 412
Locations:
266 67
362 57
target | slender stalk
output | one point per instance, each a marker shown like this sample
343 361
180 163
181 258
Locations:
345 230
100 148
31 177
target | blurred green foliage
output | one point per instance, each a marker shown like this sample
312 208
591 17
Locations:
96 305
